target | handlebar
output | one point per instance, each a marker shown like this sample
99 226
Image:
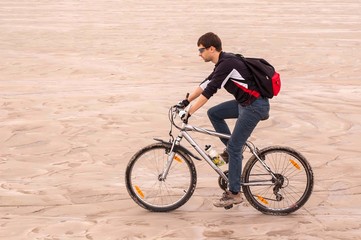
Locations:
179 109
174 112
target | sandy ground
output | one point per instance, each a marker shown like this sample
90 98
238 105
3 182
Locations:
85 84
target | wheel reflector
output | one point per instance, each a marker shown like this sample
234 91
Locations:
139 191
177 159
295 164
262 199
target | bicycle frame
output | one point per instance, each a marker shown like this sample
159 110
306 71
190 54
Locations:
185 128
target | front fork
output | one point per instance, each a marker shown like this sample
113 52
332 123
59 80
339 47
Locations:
171 155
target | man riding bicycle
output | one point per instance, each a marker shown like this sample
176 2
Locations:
249 107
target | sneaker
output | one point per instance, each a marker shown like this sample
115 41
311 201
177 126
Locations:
228 199
224 155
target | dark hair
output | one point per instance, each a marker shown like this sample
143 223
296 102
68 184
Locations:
210 39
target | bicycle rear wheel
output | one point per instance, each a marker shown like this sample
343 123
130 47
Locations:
143 178
283 195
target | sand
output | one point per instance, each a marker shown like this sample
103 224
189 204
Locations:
85 84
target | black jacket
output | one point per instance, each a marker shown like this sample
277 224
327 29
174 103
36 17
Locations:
231 73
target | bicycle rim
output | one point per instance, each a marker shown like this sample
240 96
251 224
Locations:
290 192
144 186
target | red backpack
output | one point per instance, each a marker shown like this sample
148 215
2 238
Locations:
267 79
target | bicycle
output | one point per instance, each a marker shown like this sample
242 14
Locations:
162 177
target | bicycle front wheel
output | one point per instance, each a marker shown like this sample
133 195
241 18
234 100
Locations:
288 192
144 183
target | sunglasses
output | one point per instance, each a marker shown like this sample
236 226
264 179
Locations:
201 50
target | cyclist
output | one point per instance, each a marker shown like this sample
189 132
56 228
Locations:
249 107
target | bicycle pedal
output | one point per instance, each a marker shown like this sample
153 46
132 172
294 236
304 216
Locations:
228 207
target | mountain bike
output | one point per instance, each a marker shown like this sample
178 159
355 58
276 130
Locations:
162 177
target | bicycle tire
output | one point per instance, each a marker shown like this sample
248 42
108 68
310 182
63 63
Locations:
145 188
295 186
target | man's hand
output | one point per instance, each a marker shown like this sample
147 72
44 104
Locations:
184 115
182 104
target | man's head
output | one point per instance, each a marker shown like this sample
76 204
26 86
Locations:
210 45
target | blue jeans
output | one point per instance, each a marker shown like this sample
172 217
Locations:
247 120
